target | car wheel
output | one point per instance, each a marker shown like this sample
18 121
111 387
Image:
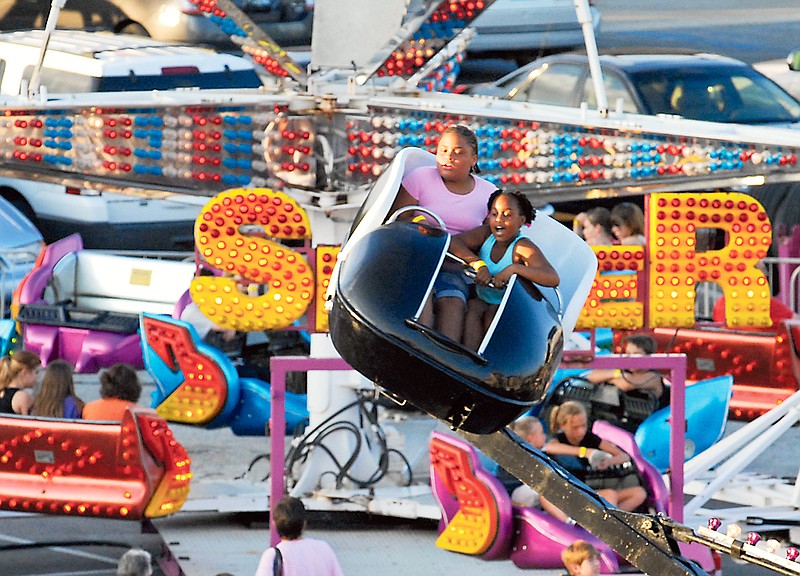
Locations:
133 28
524 57
22 205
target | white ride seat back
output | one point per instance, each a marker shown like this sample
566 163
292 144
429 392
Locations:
573 259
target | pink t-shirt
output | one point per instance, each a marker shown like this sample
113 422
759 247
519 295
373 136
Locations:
302 557
460 212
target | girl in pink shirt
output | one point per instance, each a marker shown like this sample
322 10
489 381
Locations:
452 191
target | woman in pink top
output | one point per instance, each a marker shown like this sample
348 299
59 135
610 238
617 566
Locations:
452 191
119 389
296 556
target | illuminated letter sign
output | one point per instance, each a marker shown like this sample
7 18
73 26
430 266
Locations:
676 266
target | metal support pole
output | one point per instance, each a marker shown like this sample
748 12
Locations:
279 367
585 20
52 20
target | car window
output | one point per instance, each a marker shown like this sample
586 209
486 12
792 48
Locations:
551 84
61 82
207 80
716 94
763 102
615 90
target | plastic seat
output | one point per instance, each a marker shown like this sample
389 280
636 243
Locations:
707 405
478 518
653 482
574 260
198 384
477 391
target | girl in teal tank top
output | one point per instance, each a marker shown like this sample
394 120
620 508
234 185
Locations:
496 253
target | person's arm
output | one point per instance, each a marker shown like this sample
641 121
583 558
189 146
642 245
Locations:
465 245
403 199
601 375
22 402
529 263
555 447
628 381
618 456
267 563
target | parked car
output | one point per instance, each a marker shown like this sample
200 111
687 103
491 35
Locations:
527 29
695 86
78 61
288 22
785 73
20 244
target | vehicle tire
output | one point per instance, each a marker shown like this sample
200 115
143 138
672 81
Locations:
524 57
133 28
21 204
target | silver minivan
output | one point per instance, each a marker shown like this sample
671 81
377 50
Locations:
20 244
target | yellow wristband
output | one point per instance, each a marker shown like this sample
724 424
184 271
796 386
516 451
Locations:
477 265
617 373
582 452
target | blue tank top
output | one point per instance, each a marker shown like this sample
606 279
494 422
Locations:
485 293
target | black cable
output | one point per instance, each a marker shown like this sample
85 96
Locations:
303 445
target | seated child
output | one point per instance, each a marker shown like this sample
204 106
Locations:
570 425
581 559
530 429
629 380
502 251
56 397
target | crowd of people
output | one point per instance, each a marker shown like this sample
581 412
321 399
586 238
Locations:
56 396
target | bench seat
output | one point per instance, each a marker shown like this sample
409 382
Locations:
83 306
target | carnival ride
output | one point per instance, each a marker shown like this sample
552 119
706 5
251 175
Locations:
83 305
198 384
707 405
376 295
325 137
468 495
129 470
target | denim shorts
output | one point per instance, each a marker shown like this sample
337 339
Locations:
452 284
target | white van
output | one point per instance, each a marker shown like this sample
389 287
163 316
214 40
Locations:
78 61
20 244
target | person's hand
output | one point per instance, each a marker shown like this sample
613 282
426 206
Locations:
483 277
502 277
580 222
599 459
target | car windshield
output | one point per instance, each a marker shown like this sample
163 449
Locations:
737 95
